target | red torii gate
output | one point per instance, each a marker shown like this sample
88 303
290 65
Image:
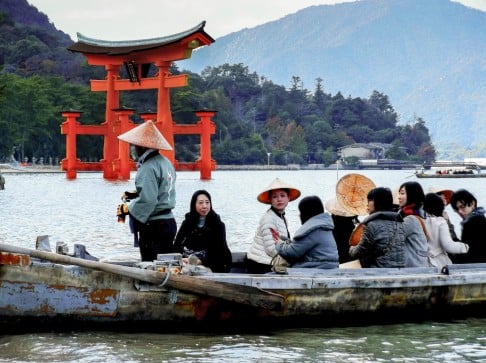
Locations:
137 56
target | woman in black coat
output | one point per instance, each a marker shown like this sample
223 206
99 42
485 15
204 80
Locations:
202 234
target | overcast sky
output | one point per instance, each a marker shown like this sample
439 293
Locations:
143 19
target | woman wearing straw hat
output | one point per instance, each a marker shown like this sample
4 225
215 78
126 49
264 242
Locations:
151 217
278 194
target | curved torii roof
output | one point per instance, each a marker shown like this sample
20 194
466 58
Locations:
117 48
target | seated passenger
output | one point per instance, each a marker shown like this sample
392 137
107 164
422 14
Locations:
344 224
473 226
313 244
383 239
278 194
445 195
440 240
202 234
410 200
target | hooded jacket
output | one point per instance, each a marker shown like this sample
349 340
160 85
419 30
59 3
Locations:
313 244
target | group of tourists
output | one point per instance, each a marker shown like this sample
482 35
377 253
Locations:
411 231
418 233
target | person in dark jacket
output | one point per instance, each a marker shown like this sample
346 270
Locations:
344 224
202 234
473 226
313 244
382 243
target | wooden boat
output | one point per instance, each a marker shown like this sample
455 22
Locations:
44 290
450 175
451 170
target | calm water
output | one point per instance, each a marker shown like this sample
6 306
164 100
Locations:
83 211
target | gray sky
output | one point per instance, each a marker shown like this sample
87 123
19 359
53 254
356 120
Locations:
143 19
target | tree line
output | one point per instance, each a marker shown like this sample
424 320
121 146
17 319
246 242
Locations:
254 117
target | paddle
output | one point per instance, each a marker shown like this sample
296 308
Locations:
241 294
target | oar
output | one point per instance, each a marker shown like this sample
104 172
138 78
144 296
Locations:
241 294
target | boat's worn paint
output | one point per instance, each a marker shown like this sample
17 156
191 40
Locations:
36 299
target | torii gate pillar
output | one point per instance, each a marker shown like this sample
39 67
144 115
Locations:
206 127
69 127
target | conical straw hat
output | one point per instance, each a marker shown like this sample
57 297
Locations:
264 197
333 207
447 193
146 135
352 191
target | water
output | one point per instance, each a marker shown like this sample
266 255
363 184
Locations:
83 211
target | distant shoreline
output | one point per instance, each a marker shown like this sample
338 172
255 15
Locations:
9 169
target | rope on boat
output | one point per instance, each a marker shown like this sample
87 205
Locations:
270 292
167 275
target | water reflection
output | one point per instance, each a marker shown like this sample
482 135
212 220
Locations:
463 341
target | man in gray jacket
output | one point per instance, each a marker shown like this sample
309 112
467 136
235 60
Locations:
150 212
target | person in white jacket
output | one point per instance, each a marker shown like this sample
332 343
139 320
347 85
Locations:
440 240
278 194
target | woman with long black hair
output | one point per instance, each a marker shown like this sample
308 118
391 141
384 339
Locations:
202 235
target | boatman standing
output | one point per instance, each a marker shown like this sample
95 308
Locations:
151 218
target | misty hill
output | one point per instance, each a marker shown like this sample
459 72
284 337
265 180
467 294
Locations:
428 56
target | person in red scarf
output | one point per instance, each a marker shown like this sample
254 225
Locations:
410 200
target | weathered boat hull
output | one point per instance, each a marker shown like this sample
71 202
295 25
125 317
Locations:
43 295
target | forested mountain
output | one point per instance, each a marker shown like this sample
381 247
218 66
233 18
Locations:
30 44
39 79
428 56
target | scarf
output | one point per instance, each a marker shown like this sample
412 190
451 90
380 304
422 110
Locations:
409 210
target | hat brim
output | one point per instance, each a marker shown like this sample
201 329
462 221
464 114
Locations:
352 193
277 184
264 197
333 207
146 135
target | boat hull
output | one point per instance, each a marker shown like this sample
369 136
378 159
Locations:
46 296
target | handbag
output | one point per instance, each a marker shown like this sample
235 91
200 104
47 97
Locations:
279 264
